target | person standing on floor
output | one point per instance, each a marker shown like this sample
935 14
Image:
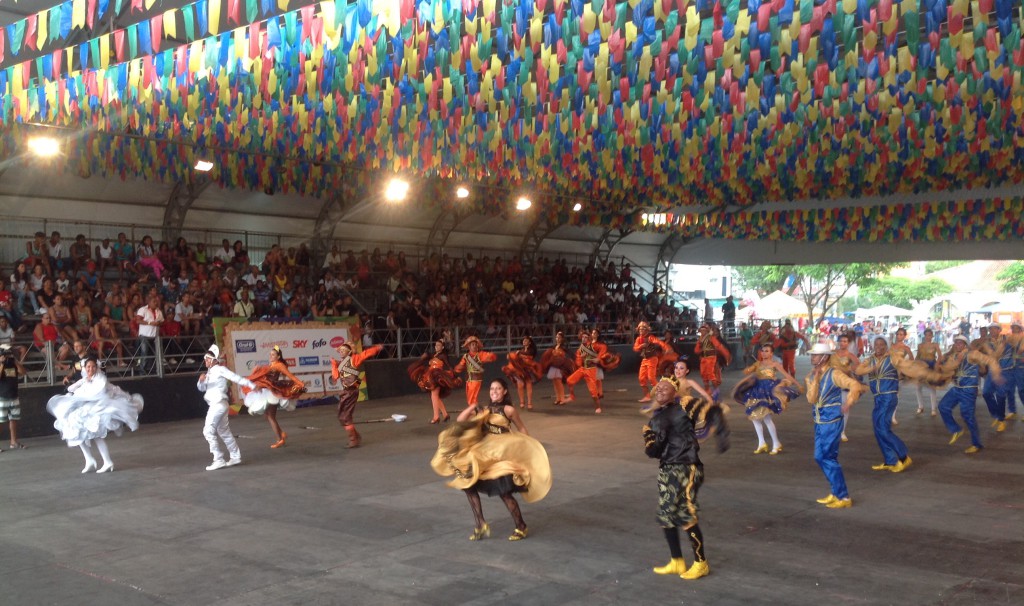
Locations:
825 385
650 349
472 363
92 409
214 384
11 372
928 351
962 367
884 380
346 370
587 357
670 436
277 389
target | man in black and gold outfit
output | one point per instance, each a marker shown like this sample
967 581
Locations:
671 437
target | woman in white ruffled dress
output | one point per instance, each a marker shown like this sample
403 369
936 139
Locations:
90 410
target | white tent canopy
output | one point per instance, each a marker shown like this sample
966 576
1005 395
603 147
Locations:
779 305
883 311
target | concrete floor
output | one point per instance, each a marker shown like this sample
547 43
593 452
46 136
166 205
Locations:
315 523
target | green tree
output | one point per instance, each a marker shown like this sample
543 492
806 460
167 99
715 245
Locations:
902 292
1012 277
820 287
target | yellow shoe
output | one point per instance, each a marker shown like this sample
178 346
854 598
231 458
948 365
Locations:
844 438
883 467
956 436
480 533
698 570
518 535
776 450
841 503
935 414
905 463
1000 426
972 450
1010 416
674 566
829 499
763 448
895 422
994 423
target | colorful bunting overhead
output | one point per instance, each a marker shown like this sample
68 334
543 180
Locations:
658 104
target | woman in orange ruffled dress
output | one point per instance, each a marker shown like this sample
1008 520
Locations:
524 371
433 373
558 364
276 387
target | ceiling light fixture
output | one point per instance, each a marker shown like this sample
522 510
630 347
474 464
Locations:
44 147
396 190
523 203
577 207
203 166
462 192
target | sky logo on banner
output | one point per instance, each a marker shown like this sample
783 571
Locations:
245 346
309 361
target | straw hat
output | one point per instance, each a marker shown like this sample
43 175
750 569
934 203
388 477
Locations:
820 349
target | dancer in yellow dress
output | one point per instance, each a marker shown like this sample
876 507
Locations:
484 455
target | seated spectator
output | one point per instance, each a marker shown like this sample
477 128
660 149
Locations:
45 295
124 255
333 261
183 280
58 256
251 277
81 315
262 297
224 255
202 258
170 292
7 338
80 253
60 316
45 332
105 338
240 261
147 258
303 262
273 262
20 287
62 283
88 279
166 257
116 314
184 258
8 309
329 282
37 252
244 308
105 255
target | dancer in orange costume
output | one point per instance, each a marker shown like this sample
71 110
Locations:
433 374
650 349
524 371
763 336
708 348
557 364
787 343
587 357
472 363
346 370
607 361
276 387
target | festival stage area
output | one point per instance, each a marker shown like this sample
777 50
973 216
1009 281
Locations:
314 523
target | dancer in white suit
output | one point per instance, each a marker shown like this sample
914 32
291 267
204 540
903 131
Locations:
214 382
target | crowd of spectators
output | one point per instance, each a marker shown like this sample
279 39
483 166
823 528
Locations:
118 295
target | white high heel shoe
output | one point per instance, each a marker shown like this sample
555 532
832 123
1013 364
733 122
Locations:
89 466
109 466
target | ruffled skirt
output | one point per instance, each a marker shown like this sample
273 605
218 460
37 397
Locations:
258 400
762 397
86 418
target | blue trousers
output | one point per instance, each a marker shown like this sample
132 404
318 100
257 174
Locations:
893 448
964 398
826 455
995 395
1017 388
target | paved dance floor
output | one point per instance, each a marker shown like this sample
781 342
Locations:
314 523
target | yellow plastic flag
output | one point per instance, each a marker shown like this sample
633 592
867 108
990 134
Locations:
327 10
104 51
170 24
78 14
42 27
214 12
283 4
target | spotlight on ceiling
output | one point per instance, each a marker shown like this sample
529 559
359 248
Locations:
577 207
462 192
203 166
523 203
396 190
44 147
